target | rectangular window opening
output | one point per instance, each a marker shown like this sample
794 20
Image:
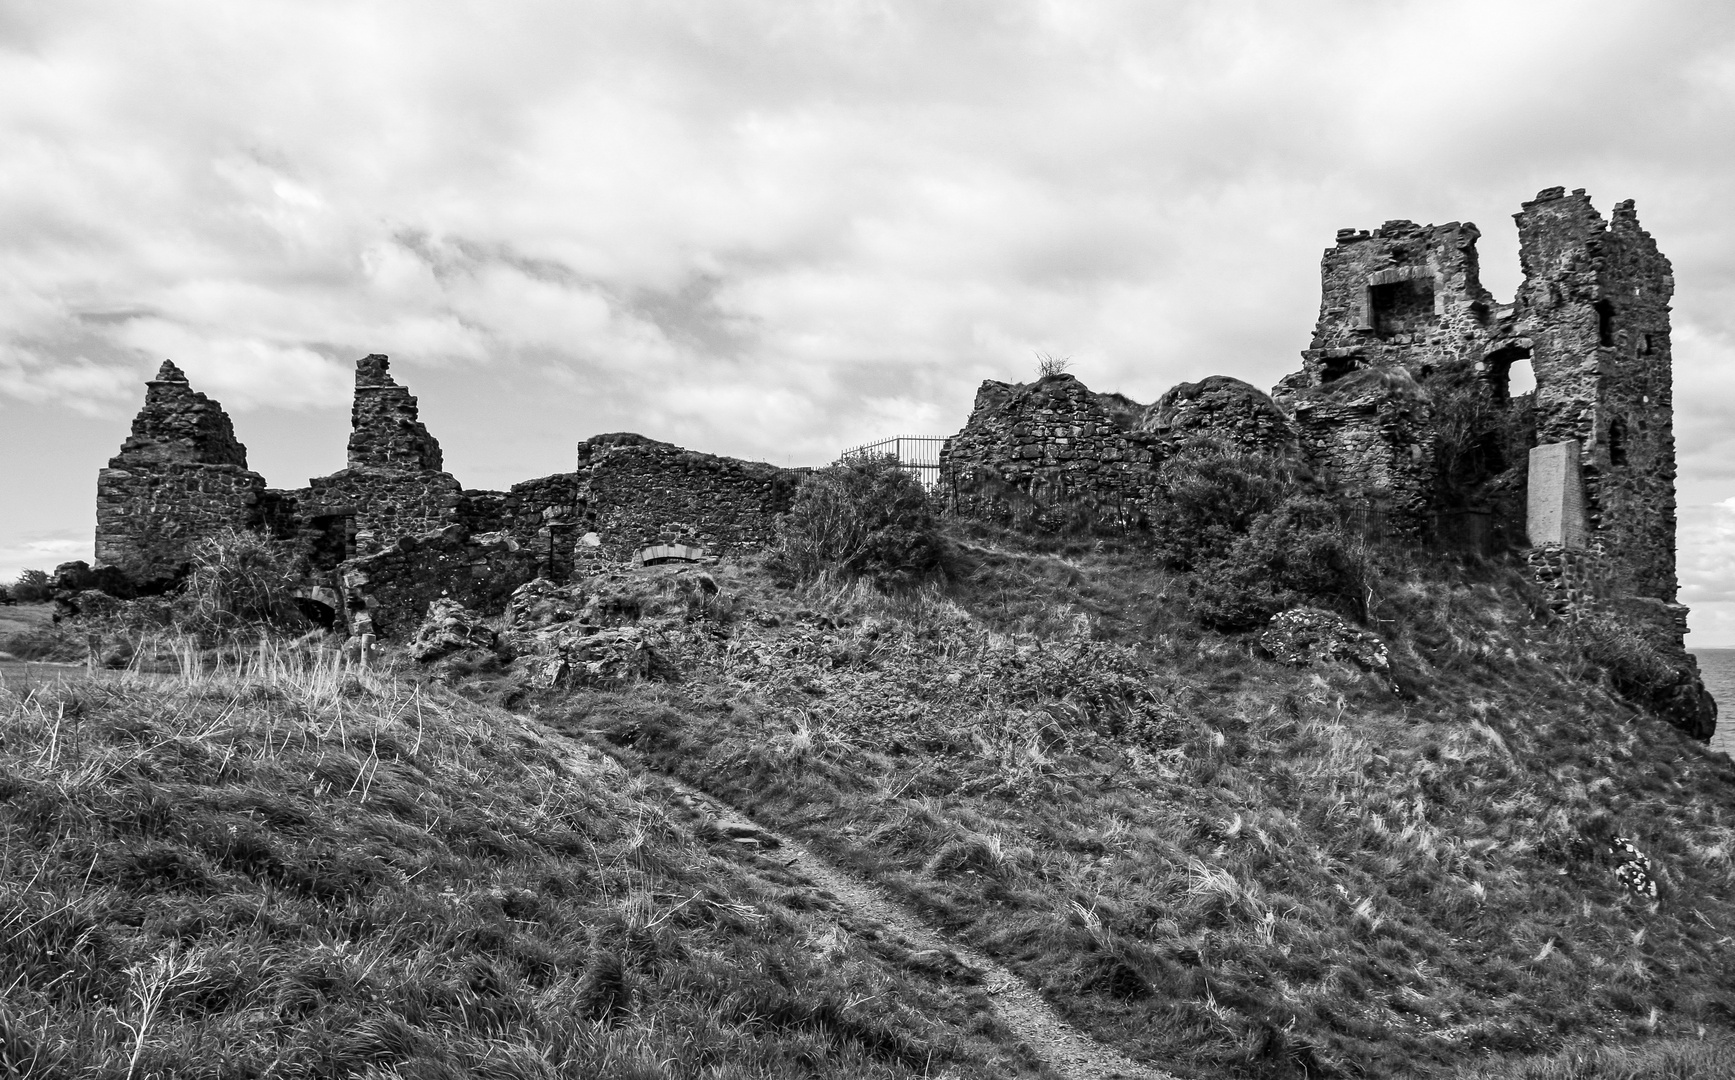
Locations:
1402 308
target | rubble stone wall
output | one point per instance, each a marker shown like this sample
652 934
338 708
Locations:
634 492
1370 433
149 517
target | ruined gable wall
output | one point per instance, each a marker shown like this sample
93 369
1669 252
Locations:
1595 305
634 492
180 476
1048 452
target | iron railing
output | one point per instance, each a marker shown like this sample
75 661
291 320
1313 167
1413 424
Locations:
918 455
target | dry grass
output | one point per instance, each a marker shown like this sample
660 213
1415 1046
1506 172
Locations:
289 866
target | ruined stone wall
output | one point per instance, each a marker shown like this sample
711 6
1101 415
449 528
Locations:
180 476
1050 454
541 515
387 593
634 492
1595 306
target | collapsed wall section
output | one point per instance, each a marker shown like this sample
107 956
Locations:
634 492
540 515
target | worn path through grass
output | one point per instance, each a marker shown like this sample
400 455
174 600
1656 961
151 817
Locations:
1060 1045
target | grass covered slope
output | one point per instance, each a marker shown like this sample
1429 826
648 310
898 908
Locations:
294 870
1217 863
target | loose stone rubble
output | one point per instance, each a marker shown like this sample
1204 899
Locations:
1309 636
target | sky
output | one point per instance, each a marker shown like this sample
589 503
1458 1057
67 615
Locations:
775 230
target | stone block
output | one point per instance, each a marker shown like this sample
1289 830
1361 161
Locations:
1556 515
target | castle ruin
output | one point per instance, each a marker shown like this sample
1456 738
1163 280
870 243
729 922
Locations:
1402 404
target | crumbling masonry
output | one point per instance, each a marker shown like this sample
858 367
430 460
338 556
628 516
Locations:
392 531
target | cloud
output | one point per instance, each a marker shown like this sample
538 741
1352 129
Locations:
777 229
41 552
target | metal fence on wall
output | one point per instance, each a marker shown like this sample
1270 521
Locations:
918 455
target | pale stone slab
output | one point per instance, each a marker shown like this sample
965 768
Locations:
1556 496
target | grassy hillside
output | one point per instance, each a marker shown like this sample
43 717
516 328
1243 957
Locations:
1208 859
1211 861
292 869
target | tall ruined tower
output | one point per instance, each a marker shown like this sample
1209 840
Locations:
1594 310
180 476
1403 392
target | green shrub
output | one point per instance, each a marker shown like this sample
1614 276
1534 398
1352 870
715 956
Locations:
1208 495
1295 554
866 518
32 587
1255 534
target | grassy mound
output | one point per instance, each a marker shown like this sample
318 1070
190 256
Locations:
1218 863
289 868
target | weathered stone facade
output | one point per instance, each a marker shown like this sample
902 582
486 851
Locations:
633 492
1594 307
1591 316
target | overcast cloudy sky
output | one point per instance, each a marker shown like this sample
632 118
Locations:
777 229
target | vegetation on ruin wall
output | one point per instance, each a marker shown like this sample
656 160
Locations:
1217 863
294 868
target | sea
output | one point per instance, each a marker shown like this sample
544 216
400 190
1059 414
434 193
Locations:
1718 668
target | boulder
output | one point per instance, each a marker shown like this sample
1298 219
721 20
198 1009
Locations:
1308 636
448 628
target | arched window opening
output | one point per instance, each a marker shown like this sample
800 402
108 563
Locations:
1605 323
